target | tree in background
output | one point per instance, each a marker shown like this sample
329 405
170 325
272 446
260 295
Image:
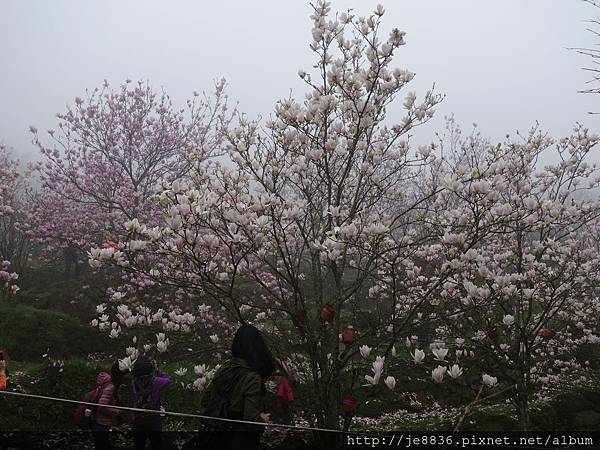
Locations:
14 244
102 165
514 285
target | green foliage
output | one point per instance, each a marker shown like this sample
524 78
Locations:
51 378
27 333
494 418
180 399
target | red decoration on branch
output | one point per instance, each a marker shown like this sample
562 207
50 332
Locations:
547 333
349 404
327 314
348 335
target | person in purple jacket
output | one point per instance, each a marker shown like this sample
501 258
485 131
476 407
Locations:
147 384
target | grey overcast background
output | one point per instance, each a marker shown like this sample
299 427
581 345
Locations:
502 64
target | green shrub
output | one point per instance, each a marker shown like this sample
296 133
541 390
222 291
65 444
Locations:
27 333
67 380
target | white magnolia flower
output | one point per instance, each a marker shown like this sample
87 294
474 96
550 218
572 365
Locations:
424 150
181 371
410 100
137 245
126 364
530 202
199 383
214 338
373 379
455 371
508 320
439 353
378 364
438 373
394 352
418 356
365 351
161 346
200 369
480 187
117 296
488 380
390 382
133 226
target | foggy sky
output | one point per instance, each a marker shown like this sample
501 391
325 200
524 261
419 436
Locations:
502 64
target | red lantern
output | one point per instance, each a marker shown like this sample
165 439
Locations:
348 335
547 333
327 313
349 404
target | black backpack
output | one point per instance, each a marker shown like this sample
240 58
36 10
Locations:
144 420
213 433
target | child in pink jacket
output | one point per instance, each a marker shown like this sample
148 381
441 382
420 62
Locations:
108 386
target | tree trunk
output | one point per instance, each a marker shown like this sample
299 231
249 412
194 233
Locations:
523 410
329 440
522 402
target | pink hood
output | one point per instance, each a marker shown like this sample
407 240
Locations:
107 397
103 378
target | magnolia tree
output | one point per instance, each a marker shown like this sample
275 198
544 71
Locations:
311 210
101 166
515 269
14 245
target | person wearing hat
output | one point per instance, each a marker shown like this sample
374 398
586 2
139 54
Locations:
147 385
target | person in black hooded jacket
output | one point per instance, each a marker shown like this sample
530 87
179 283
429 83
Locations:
242 379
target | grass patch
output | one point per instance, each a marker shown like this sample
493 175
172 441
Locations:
27 333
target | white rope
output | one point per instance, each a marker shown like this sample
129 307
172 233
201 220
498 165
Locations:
178 414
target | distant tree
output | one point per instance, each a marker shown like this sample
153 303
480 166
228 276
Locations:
110 151
14 244
516 265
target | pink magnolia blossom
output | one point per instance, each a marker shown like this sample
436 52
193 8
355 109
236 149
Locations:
130 136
